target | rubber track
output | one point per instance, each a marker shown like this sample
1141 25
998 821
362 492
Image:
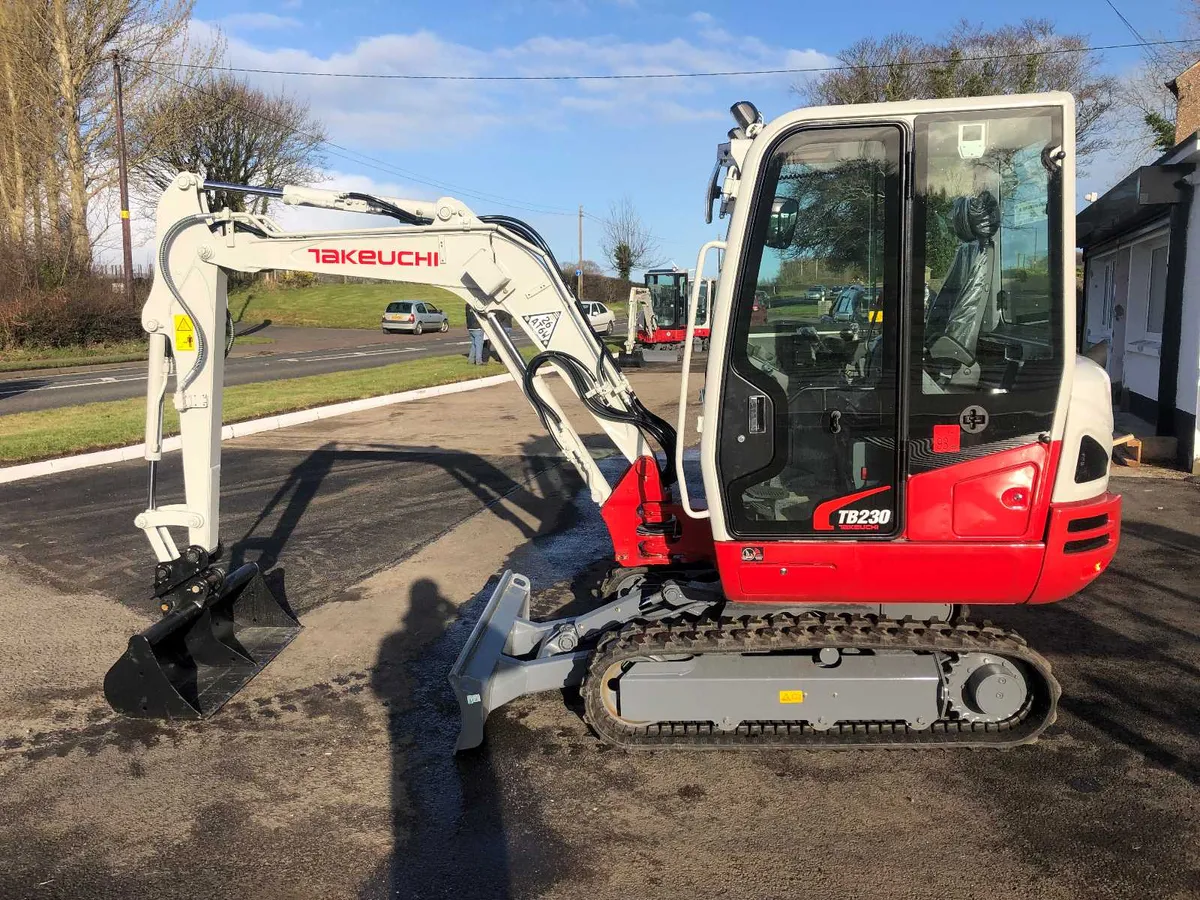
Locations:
791 633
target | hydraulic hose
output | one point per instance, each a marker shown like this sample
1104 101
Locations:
164 255
639 416
649 424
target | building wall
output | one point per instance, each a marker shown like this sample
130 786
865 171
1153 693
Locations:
1187 109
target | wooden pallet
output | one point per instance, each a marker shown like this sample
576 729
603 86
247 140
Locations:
1133 448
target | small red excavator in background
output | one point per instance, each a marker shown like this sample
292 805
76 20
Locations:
658 316
862 482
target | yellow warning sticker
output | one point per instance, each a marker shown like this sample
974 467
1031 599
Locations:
875 315
791 696
185 334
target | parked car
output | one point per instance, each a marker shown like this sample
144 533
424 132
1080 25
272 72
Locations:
413 316
816 292
599 316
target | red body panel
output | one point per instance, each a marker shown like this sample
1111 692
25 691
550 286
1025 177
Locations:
982 532
662 336
1075 558
968 501
647 527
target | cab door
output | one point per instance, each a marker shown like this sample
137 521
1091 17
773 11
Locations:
810 424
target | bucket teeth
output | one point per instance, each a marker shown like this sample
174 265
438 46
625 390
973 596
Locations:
197 656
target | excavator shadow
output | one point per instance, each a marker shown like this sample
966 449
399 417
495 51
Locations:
1126 650
514 494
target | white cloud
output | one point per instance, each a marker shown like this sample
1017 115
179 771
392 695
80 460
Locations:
394 114
259 21
701 18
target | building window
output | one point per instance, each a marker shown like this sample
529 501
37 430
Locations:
1158 290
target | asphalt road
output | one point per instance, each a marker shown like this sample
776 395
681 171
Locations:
333 776
32 391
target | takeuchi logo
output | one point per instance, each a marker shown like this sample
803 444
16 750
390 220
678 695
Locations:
328 257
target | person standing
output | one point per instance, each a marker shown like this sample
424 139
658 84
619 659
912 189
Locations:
475 353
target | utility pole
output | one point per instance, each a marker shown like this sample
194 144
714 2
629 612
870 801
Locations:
123 177
579 271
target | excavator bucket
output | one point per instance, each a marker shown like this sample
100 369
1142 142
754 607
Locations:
190 662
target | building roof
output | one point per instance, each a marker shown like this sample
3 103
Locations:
1140 197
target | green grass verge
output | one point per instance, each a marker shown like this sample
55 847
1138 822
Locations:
51 357
48 433
94 355
336 305
793 309
348 305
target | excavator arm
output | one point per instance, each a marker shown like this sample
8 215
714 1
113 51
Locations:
495 265
499 266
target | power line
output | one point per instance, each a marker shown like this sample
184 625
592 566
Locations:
1137 34
372 162
664 75
1128 24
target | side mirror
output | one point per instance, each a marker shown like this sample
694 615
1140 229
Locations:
782 226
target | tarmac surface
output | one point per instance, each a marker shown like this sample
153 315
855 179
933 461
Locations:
294 353
332 775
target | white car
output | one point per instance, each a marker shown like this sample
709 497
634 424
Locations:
599 316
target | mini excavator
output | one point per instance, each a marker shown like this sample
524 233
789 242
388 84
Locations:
864 479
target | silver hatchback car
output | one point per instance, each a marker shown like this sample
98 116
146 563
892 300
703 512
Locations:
414 316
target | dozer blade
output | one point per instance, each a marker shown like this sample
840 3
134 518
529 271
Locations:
652 355
190 662
500 661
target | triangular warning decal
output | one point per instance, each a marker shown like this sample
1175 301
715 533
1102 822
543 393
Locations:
543 325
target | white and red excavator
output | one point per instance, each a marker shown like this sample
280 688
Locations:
658 316
861 483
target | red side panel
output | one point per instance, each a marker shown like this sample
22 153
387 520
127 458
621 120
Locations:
662 336
892 572
647 526
1080 543
996 504
1081 540
1001 495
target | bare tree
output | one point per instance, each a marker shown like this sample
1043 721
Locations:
228 130
973 61
1146 104
628 243
56 107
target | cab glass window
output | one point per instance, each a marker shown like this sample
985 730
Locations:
987 293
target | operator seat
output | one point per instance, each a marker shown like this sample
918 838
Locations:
955 316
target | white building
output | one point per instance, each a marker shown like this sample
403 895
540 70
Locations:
1141 251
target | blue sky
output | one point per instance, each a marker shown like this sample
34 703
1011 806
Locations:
554 146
